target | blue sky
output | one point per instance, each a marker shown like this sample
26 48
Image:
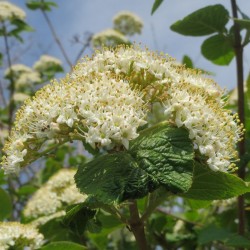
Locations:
80 16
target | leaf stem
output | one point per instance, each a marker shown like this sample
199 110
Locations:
137 226
238 47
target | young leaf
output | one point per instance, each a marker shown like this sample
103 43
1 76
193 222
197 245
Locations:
156 5
203 22
218 49
211 185
63 245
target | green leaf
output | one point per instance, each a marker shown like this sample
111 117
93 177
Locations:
156 5
198 204
43 5
205 21
244 23
235 240
5 204
113 177
54 230
218 49
78 217
63 245
166 153
161 156
211 233
187 61
214 233
211 185
26 190
21 26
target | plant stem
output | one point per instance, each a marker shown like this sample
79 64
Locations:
85 46
137 226
238 47
57 40
12 82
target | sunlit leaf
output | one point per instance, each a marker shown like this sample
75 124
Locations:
205 21
211 185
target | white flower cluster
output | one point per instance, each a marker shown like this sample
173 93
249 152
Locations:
22 75
109 38
103 103
46 62
190 100
20 97
103 111
127 23
9 11
14 235
51 199
212 129
224 205
16 70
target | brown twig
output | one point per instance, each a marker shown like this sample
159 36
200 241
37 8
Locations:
57 40
2 95
85 46
137 226
238 47
12 82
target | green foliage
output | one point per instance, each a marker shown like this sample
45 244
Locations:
79 218
43 5
211 185
16 28
218 49
63 245
205 21
212 233
156 5
161 156
113 178
187 61
5 204
55 230
166 153
198 204
27 189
